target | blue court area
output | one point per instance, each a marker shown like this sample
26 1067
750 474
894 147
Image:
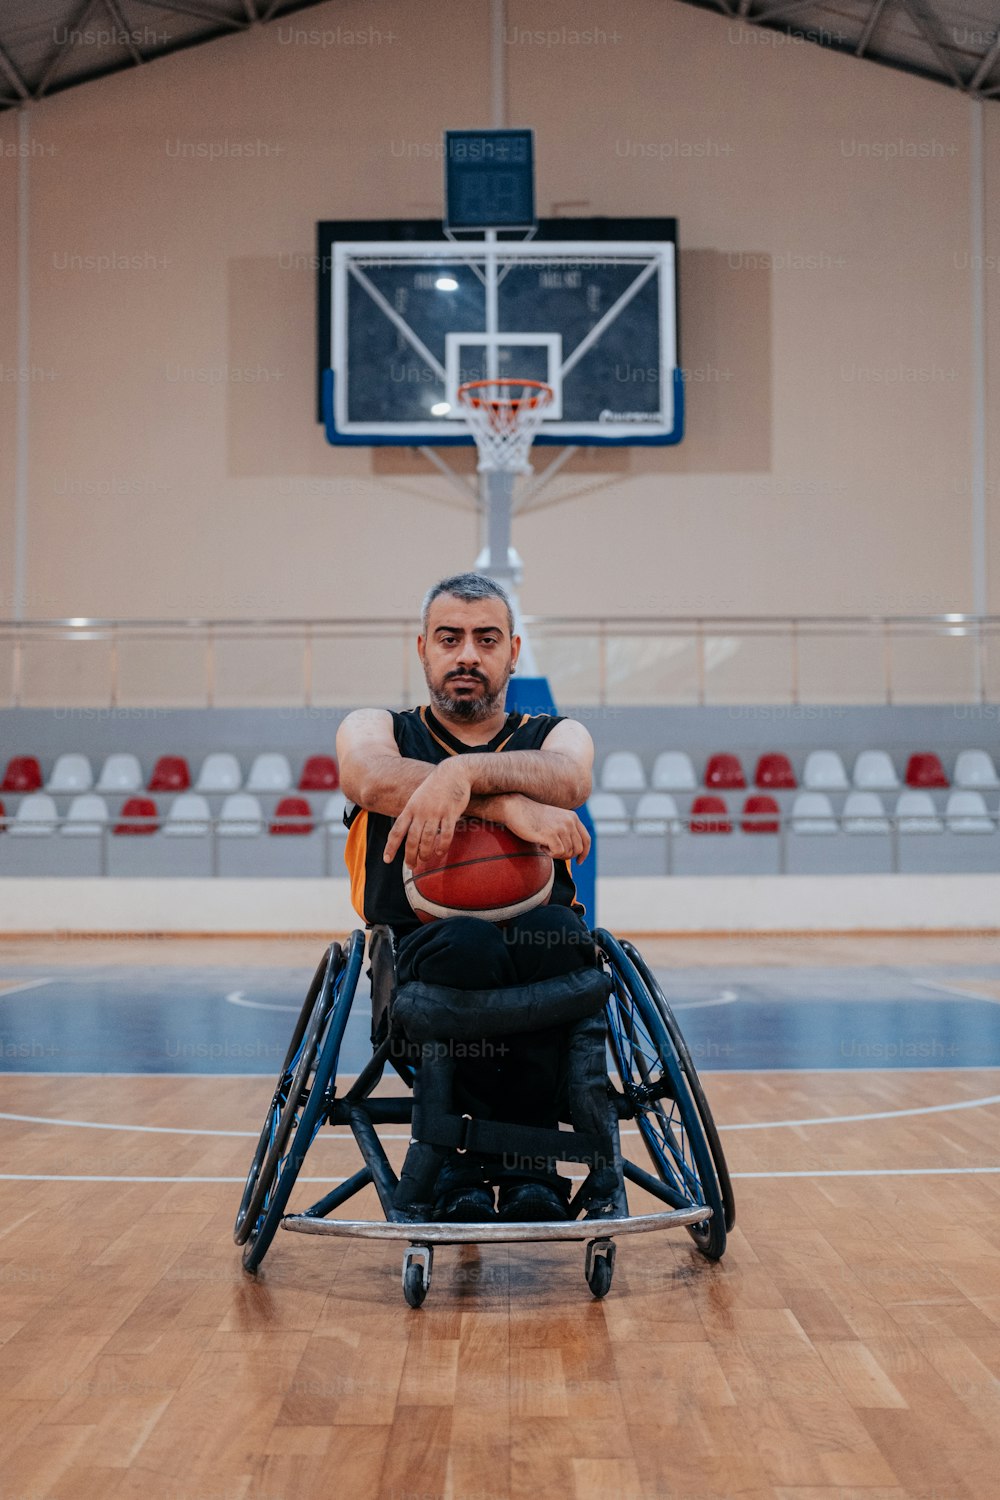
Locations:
167 1019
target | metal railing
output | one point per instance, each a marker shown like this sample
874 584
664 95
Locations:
602 660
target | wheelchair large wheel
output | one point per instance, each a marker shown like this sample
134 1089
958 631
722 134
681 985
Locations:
657 1096
301 1099
693 1081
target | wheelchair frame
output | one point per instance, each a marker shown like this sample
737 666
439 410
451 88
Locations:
658 1088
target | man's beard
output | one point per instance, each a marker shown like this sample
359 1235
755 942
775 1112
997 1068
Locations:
472 710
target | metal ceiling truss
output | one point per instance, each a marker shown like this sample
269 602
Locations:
20 85
826 24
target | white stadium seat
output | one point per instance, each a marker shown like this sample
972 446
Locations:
36 814
220 772
875 772
71 773
333 813
656 812
608 812
270 772
966 812
120 773
812 813
87 814
673 772
241 816
824 772
916 813
622 772
975 769
864 813
188 814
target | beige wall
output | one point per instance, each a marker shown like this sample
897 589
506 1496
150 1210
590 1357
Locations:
825 321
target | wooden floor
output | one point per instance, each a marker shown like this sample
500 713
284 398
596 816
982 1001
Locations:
848 1345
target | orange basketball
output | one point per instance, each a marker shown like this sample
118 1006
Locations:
487 872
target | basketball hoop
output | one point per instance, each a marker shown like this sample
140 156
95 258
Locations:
504 416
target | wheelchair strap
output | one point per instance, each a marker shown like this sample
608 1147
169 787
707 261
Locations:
496 1138
434 1012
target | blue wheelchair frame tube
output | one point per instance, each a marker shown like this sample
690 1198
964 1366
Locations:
532 695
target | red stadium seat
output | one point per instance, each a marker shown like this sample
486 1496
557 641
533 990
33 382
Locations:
774 772
138 807
3 818
925 769
753 808
296 808
23 774
170 774
725 772
319 774
714 805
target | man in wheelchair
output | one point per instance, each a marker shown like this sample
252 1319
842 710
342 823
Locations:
410 777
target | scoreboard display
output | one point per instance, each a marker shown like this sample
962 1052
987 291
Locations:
489 180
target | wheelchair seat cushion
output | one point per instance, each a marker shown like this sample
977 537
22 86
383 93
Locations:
433 1012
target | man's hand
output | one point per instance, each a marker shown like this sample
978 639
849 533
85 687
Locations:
555 829
427 822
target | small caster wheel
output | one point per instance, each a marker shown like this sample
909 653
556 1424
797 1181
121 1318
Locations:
600 1266
417 1273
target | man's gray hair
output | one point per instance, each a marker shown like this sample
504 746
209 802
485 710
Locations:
467 586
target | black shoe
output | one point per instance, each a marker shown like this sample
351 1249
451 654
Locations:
531 1203
471 1205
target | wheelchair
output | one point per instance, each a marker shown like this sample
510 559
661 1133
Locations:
645 1076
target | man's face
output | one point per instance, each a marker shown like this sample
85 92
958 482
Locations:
468 656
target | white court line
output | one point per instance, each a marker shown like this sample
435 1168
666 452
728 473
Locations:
740 1176
949 989
235 997
17 989
885 1114
728 997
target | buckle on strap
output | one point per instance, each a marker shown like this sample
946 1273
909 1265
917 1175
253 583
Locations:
464 1137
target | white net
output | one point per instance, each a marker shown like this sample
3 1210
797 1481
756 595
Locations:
504 416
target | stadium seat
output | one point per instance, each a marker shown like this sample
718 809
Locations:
71 773
622 772
608 813
709 814
774 773
297 815
188 814
220 772
170 774
319 774
3 818
975 769
120 773
656 813
241 816
141 808
724 772
23 774
916 813
875 772
333 814
864 813
673 772
36 814
270 772
761 814
925 769
88 814
812 812
824 772
966 812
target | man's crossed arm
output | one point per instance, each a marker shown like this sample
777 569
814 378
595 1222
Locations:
532 792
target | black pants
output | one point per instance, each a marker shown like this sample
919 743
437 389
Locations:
515 1078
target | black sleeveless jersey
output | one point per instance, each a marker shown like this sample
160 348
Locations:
377 892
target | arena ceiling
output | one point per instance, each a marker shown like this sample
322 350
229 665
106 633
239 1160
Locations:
50 45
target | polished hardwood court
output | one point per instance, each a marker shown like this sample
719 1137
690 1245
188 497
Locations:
847 1346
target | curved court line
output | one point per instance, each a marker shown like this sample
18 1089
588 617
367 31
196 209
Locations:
18 989
950 989
728 997
235 997
881 1114
837 1172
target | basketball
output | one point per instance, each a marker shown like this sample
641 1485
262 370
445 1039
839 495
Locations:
487 872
